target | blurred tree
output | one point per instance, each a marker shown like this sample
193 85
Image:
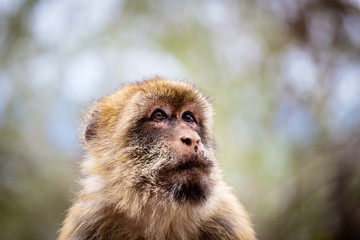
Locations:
284 76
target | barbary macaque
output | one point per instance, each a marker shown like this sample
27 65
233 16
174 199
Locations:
149 171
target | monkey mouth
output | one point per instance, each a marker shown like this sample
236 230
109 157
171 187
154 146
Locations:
187 178
186 168
193 162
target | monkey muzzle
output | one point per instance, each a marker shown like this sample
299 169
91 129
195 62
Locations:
192 162
188 164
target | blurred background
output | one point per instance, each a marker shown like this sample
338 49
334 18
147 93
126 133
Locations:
284 76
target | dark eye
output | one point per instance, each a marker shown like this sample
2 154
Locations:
188 117
158 115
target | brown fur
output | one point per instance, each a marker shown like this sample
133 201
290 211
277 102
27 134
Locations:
130 189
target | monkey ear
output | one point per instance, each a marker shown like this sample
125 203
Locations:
91 128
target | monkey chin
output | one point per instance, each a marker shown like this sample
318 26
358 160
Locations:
188 179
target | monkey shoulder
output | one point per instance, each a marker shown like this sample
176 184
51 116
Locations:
218 227
224 228
101 224
229 221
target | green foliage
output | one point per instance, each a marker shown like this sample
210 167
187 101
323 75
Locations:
283 76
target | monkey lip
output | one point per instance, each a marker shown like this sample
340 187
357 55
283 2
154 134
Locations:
193 162
187 166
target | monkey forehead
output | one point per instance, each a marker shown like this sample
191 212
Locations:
176 93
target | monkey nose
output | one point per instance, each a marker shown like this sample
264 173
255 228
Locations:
187 141
190 141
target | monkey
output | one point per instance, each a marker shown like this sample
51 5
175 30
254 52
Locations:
150 171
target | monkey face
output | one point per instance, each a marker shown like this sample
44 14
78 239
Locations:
183 163
156 135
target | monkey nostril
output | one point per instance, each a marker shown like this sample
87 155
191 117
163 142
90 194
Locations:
186 141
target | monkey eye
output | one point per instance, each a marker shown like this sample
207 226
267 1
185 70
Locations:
158 115
188 117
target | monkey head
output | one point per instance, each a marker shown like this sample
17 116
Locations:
151 142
